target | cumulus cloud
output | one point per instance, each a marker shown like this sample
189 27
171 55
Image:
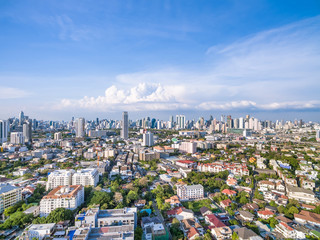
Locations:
141 97
278 69
9 93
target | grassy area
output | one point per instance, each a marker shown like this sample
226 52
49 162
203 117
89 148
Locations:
196 205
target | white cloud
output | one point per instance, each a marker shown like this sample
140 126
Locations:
9 93
141 97
271 70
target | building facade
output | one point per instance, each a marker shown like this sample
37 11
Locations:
191 192
69 197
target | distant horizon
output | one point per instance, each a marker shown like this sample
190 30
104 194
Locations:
272 116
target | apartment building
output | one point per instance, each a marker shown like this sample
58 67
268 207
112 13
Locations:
109 217
301 194
188 147
86 177
9 195
191 192
59 178
69 197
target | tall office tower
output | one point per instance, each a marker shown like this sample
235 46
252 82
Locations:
181 121
21 118
27 131
223 118
148 139
256 124
4 127
34 124
318 135
16 138
80 122
236 123
241 123
125 126
251 121
229 121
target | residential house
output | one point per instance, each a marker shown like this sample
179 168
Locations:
225 203
193 234
221 233
265 214
247 234
246 216
229 192
305 217
214 221
205 211
173 201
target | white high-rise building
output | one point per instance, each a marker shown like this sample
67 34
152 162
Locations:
69 197
318 135
4 127
57 136
59 178
27 131
86 177
125 126
147 139
188 147
180 121
16 138
80 123
241 123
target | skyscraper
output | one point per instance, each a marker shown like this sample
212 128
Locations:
80 123
148 139
124 126
181 121
27 131
3 131
21 118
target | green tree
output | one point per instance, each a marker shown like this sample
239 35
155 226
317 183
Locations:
60 214
235 236
138 232
132 195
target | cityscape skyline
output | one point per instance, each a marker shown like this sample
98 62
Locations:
213 58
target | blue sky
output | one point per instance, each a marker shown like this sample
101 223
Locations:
97 58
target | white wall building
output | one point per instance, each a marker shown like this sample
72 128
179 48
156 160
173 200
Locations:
40 231
79 126
16 138
148 139
86 177
191 192
9 195
57 136
188 147
69 197
59 178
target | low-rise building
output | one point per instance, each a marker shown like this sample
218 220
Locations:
40 231
191 192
